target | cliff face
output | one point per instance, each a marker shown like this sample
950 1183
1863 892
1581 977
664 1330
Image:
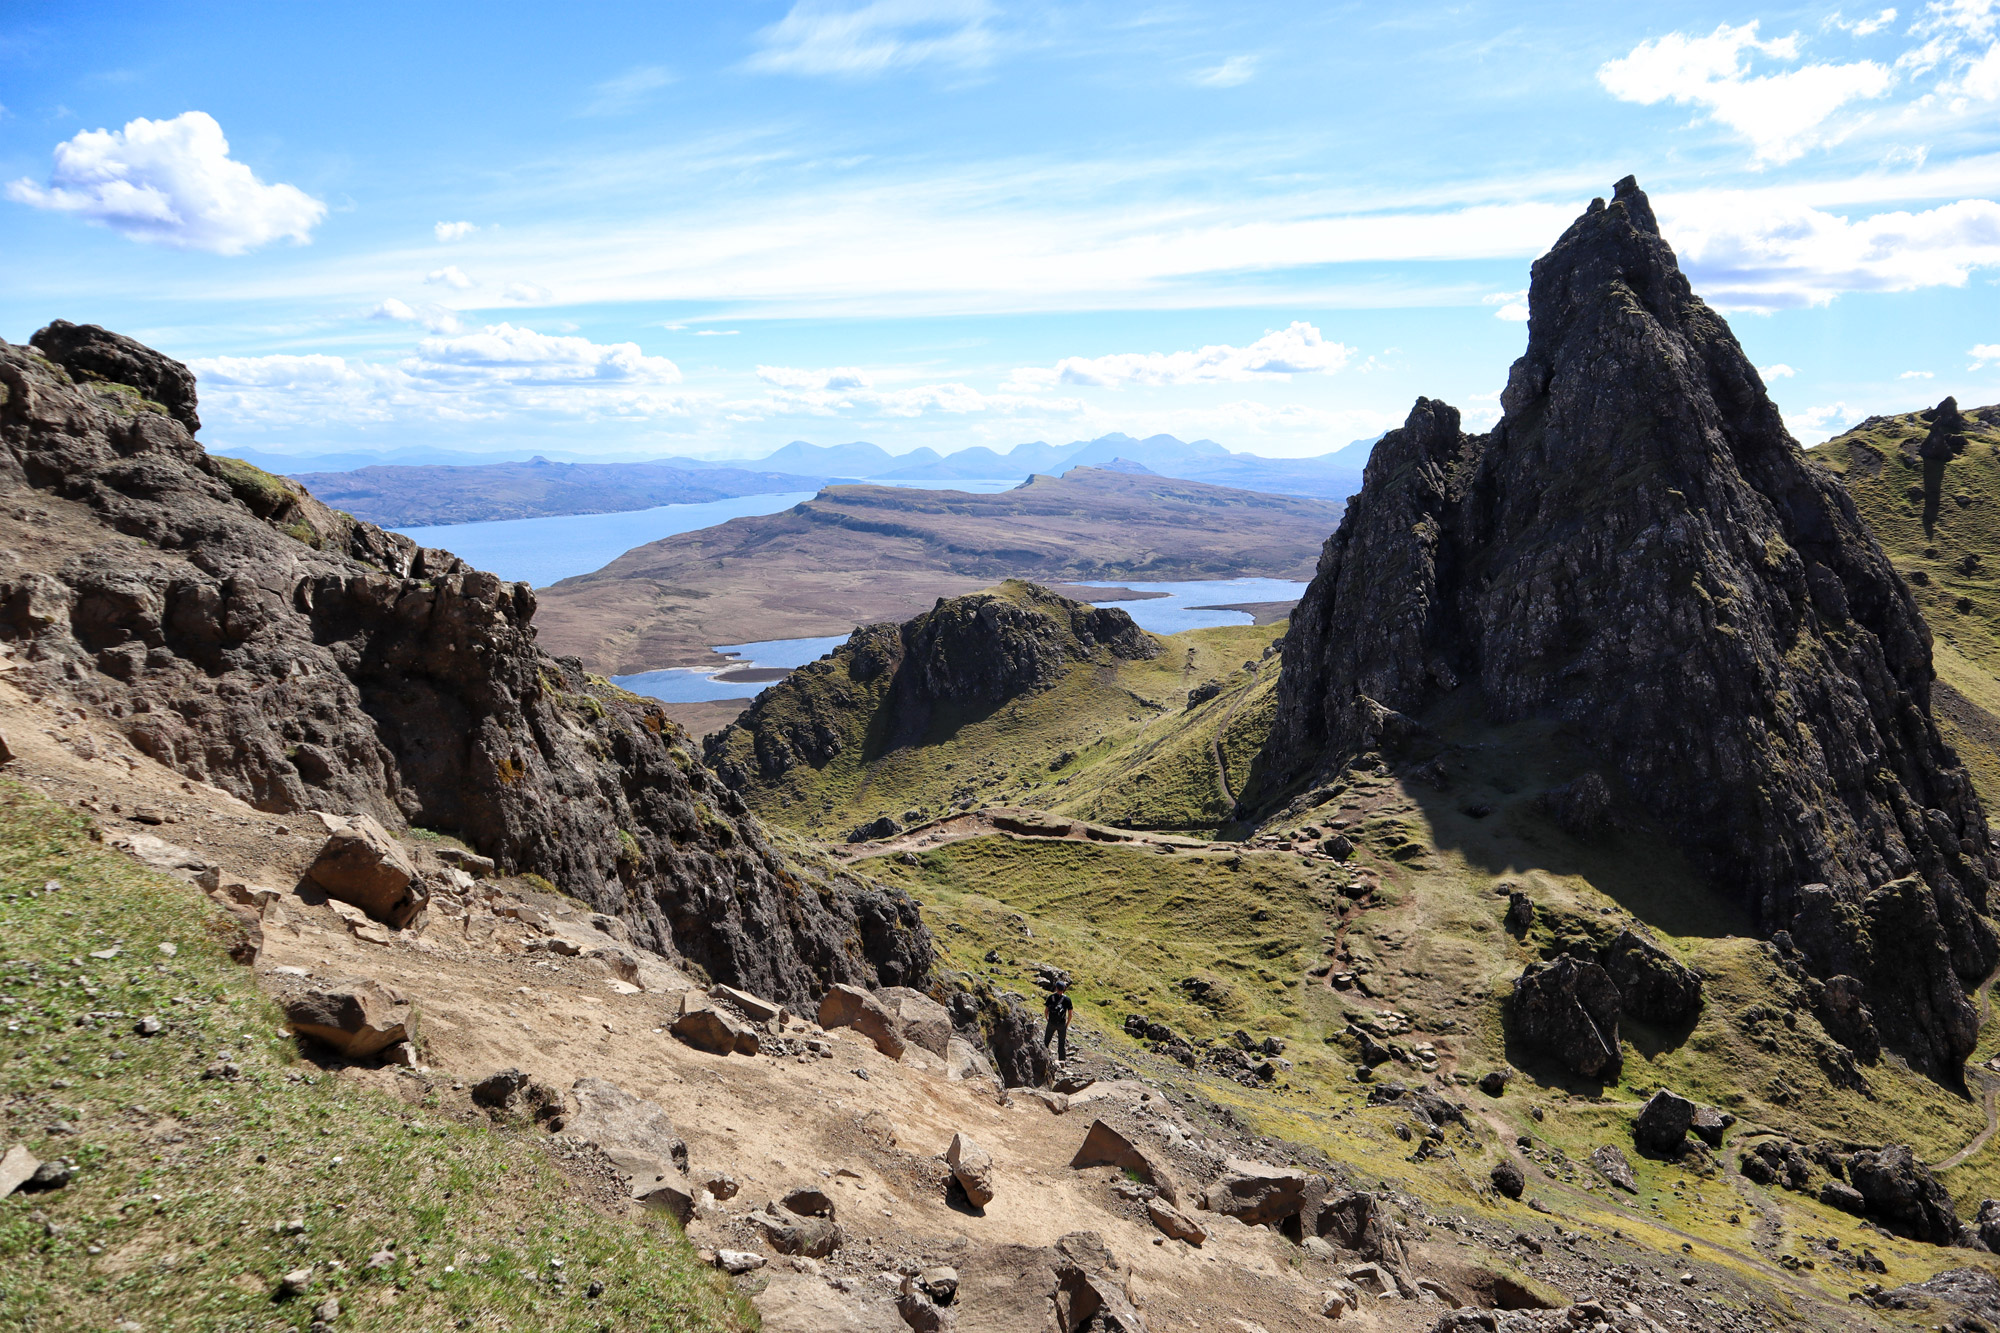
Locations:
882 687
1640 549
242 633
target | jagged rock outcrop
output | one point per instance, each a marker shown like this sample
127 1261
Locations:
240 632
1638 543
883 687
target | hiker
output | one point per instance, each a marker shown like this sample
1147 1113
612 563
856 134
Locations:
1058 1008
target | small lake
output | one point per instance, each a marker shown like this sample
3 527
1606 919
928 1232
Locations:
541 551
1180 606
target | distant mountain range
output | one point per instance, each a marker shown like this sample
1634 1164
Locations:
421 486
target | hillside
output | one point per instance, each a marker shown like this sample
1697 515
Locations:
418 496
1938 517
896 724
864 554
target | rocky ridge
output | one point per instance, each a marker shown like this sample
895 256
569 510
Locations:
1638 542
233 628
885 685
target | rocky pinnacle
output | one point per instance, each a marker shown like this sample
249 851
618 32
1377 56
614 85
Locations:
1641 551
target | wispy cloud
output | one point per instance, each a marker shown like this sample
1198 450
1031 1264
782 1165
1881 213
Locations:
627 92
451 276
1917 375
863 41
1231 72
171 182
448 232
1779 371
1513 305
1983 355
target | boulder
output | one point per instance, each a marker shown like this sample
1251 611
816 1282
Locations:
963 1060
1570 1010
753 1007
1090 1292
1507 1178
707 1028
1256 1194
1104 1146
809 1201
924 1021
1839 1194
359 863
511 1092
1341 1298
1613 1166
89 352
17 1168
1710 1125
972 1166
1175 1222
789 1233
1902 1194
665 1195
1844 1013
1358 1221
1374 1280
1653 986
1987 1224
1520 912
636 1134
852 1007
1494 1081
355 1017
1663 1123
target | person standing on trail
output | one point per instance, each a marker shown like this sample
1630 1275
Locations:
1058 1008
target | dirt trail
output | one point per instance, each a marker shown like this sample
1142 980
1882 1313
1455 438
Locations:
1019 822
1221 762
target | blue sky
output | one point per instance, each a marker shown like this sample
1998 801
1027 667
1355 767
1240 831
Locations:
631 231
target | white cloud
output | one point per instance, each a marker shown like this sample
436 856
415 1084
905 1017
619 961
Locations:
1815 425
874 38
452 277
1983 355
627 91
504 353
1981 77
1748 253
1297 350
1916 375
525 293
1230 73
716 333
1780 113
454 231
1780 371
1867 27
499 373
434 318
1513 305
171 182
837 380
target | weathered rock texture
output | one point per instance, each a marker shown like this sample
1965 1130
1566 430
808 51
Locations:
883 688
242 633
1640 549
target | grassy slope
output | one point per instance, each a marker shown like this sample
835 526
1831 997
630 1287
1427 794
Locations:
1888 481
1132 923
1135 752
172 1221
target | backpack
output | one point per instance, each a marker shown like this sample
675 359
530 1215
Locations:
1056 1005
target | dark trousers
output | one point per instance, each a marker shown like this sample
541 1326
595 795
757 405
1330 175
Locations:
1058 1029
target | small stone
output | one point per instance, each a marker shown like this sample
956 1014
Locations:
149 1026
972 1166
382 1259
296 1282
738 1261
327 1310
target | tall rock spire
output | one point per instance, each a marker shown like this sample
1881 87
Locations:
1641 549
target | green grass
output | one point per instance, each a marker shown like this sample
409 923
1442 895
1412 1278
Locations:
175 1219
1928 545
